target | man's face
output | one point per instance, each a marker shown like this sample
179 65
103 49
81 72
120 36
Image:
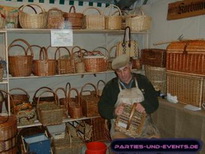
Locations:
124 73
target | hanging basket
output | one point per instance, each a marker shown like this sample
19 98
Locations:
75 19
20 65
33 21
94 21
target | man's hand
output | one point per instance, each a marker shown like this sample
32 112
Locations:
119 109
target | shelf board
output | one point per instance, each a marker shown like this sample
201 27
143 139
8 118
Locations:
44 31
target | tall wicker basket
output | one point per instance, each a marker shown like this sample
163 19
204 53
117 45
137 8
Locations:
20 65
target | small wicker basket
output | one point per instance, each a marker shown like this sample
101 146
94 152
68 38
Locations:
76 19
33 21
113 21
94 21
55 19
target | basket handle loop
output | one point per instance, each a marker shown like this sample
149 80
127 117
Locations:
131 115
77 96
43 52
111 49
88 84
20 90
64 92
127 32
72 8
48 91
31 48
111 6
91 7
38 90
29 5
67 86
15 45
106 51
58 51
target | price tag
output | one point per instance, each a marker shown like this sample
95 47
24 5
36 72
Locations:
62 37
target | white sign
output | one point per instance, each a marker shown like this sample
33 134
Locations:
63 37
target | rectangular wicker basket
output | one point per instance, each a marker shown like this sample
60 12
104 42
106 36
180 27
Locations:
189 88
153 57
186 56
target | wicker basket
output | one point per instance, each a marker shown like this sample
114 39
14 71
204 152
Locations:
139 22
44 66
1 73
89 102
76 19
55 19
154 57
130 121
33 21
74 106
96 61
94 21
77 59
49 113
8 126
157 76
20 65
114 20
189 88
186 56
2 20
64 63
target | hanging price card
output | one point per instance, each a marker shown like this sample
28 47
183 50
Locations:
62 37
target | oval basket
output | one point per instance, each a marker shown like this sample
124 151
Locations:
33 21
94 21
76 19
20 65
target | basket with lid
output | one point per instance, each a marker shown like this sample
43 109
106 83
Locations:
20 65
75 19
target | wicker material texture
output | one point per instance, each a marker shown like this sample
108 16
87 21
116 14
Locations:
44 66
76 19
157 76
49 113
186 56
33 21
55 19
89 102
188 88
154 57
113 20
139 22
94 21
8 132
20 65
64 63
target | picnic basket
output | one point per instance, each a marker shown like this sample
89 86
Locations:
43 66
49 113
75 109
93 21
30 20
114 19
89 102
20 65
64 63
139 22
55 19
130 121
76 19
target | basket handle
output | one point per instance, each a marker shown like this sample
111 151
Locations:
48 91
56 10
30 5
111 49
24 42
116 7
15 45
129 37
75 47
8 95
64 92
106 51
98 83
31 46
67 86
72 8
131 115
58 51
38 90
43 52
20 90
77 94
88 84
91 7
